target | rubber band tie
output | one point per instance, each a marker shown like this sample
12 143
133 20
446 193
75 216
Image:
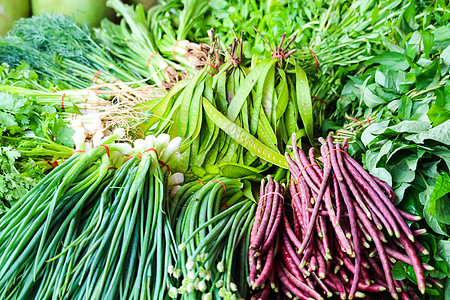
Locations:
106 147
223 184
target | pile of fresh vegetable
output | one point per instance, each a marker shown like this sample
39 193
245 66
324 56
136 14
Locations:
163 156
340 235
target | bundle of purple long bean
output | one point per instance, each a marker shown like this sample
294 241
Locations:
264 241
347 234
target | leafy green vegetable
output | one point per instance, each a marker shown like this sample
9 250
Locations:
61 50
31 135
16 176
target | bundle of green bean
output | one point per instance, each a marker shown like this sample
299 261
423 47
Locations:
213 235
89 232
231 115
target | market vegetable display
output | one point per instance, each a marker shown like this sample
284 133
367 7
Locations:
164 156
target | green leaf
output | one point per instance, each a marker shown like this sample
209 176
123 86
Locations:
434 224
12 155
443 250
429 77
6 101
445 57
439 203
427 38
439 112
394 60
6 120
409 126
371 160
369 134
440 133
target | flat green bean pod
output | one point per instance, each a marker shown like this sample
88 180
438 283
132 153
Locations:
244 138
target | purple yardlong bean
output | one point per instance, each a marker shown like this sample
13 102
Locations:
325 239
325 213
329 206
345 143
435 281
276 223
378 203
409 217
289 262
330 283
343 274
332 154
336 164
273 285
307 254
294 169
380 247
377 215
364 241
297 217
337 198
372 186
321 264
305 198
313 261
299 284
297 206
297 157
364 275
288 231
253 271
364 231
265 293
259 212
406 259
416 263
289 285
313 161
374 288
258 263
285 242
317 204
318 227
307 167
404 295
419 232
356 195
303 171
273 212
386 187
268 266
321 249
322 285
310 282
265 218
339 286
353 227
